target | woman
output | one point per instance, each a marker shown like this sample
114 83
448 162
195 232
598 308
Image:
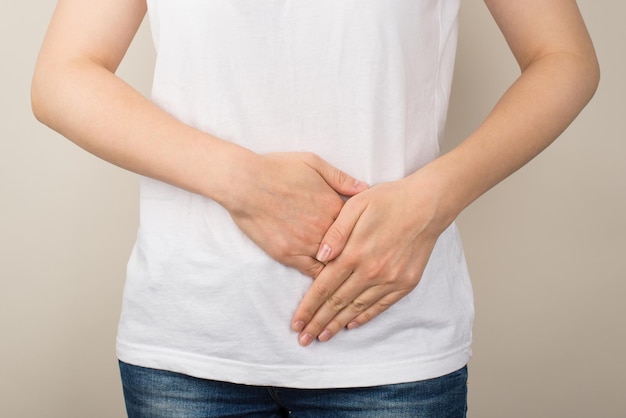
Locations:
263 116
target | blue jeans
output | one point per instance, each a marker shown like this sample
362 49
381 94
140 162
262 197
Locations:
151 393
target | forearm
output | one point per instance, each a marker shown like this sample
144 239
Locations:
393 227
544 100
283 202
91 106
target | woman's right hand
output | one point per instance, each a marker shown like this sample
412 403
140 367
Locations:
283 202
288 203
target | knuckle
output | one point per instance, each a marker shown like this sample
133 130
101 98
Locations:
354 258
280 249
340 177
368 314
335 234
315 326
358 306
313 270
335 303
383 305
374 268
321 291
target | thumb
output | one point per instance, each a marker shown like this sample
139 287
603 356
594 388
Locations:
336 237
340 181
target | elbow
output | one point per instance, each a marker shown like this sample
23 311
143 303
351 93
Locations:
581 73
46 94
585 80
36 102
594 75
576 70
588 72
38 98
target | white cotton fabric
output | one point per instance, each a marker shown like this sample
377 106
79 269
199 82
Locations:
362 83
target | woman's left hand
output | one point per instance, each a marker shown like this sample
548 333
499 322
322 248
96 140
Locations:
390 230
376 250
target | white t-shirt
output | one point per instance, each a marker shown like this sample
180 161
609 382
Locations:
362 83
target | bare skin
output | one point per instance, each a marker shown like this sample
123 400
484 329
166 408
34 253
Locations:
379 245
362 267
270 197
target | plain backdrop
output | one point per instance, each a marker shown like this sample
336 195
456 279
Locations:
546 248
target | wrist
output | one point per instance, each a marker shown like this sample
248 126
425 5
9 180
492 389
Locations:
443 192
234 175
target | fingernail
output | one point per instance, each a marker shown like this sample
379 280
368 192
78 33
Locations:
353 325
306 339
323 254
325 336
359 185
298 326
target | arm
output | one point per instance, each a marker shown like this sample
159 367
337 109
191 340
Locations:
76 92
382 239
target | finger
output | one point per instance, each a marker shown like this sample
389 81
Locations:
308 266
329 320
340 181
324 286
374 310
346 318
337 235
341 299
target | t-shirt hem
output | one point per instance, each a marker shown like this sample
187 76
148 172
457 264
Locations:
293 376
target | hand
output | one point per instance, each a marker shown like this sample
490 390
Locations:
288 205
382 241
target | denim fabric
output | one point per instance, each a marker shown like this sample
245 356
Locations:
153 393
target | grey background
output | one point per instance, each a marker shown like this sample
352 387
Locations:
546 248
